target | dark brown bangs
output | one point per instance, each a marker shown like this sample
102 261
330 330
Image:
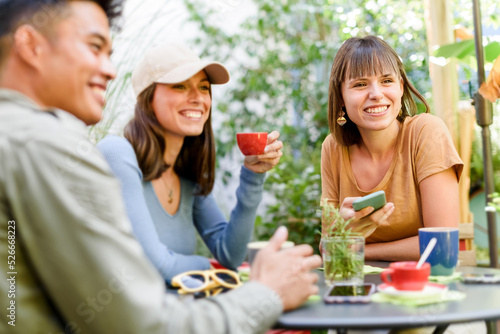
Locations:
370 60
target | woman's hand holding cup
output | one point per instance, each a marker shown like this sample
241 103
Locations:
270 156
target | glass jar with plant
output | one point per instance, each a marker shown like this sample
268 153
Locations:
342 249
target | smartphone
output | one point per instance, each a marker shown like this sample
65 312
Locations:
376 199
349 293
481 278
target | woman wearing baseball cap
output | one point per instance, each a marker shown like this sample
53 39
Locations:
166 165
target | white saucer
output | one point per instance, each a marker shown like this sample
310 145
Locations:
430 290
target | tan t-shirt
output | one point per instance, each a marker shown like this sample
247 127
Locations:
424 148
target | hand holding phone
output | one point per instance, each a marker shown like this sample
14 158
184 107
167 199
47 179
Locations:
376 199
349 293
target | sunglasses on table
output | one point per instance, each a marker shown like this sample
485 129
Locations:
205 283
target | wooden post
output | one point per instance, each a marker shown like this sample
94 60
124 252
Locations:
467 119
444 78
445 92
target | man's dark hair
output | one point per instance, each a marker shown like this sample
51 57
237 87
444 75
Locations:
14 12
40 13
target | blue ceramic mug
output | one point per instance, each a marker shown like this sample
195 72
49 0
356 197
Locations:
444 257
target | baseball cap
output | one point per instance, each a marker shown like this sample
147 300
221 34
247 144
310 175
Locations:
173 63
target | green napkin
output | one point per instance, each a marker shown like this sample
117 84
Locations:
417 301
446 279
314 298
372 270
366 269
244 274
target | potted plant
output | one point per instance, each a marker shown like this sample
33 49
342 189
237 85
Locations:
342 249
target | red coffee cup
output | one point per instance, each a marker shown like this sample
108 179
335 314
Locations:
404 275
252 143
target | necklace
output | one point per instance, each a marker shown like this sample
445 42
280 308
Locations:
169 190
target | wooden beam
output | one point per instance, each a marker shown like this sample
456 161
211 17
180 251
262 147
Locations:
445 92
444 79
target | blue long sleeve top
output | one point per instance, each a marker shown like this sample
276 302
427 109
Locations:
170 240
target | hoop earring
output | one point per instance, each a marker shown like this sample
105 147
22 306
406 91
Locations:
341 120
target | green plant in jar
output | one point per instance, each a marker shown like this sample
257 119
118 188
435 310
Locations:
342 249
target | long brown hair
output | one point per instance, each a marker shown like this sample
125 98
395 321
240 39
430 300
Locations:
356 57
196 160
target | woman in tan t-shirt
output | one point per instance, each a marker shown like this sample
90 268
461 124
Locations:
377 143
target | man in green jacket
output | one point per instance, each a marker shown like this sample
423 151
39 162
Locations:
69 261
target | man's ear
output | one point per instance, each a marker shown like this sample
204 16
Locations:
28 44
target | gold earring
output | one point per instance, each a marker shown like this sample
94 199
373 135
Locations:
341 120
